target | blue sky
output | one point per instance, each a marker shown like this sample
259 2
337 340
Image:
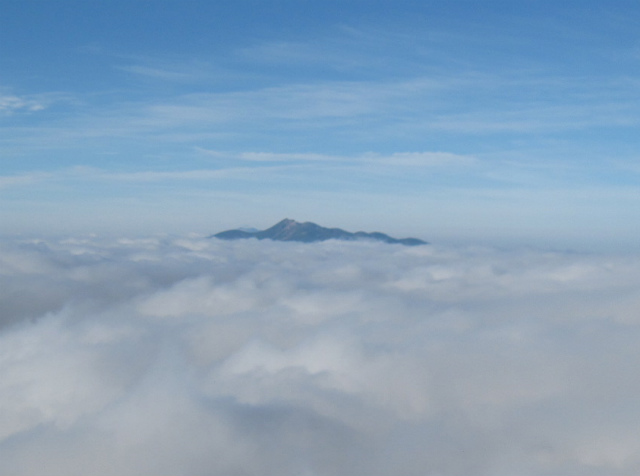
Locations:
453 121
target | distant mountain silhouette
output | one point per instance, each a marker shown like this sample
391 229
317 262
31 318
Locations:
291 230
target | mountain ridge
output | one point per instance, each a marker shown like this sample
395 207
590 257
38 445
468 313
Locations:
308 232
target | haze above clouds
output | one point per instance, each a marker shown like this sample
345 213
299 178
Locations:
192 356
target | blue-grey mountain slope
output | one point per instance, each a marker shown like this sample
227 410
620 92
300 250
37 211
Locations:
291 230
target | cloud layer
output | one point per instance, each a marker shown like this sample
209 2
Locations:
187 356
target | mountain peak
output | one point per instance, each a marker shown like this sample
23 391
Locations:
286 223
307 232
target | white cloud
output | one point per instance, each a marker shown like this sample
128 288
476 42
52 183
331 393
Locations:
17 180
424 159
158 73
265 162
398 159
192 356
11 104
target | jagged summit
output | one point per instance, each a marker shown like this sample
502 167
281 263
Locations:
307 232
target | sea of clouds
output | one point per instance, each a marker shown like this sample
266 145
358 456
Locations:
192 356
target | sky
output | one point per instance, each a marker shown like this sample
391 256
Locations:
191 356
452 121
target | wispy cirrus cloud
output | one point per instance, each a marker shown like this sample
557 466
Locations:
93 174
245 165
366 112
158 73
10 104
399 159
166 69
26 179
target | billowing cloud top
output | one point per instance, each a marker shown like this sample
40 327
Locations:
190 356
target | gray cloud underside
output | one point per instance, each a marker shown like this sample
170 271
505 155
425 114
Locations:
183 356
